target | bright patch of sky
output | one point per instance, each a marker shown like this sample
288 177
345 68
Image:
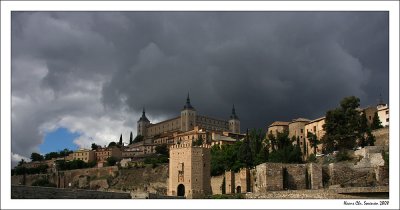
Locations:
58 140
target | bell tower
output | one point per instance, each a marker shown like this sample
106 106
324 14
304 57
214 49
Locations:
234 122
142 124
188 116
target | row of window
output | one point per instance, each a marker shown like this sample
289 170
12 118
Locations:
103 153
80 154
213 121
81 158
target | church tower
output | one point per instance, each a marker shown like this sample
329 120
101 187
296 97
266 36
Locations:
234 123
188 116
142 124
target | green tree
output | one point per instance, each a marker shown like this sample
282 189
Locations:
36 157
65 152
43 182
283 140
162 149
131 139
314 142
51 155
342 124
286 151
370 139
256 146
245 155
95 146
224 158
362 141
120 140
272 141
138 138
312 158
22 162
198 142
262 156
376 123
112 144
366 138
111 161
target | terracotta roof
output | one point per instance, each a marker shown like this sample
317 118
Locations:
279 123
316 120
301 120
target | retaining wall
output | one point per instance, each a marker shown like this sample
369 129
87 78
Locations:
30 192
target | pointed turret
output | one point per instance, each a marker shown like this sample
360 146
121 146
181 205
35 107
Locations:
143 117
188 116
381 100
142 124
234 122
188 105
233 115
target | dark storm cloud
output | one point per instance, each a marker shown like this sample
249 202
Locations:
271 65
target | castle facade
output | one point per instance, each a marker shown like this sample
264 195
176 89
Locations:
187 121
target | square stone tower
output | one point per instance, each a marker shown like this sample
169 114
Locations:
189 170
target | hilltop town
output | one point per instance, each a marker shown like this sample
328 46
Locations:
340 154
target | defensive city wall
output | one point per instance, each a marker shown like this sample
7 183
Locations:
29 192
368 171
72 178
269 177
381 136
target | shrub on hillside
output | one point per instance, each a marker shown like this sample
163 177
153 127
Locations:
43 183
342 156
385 156
312 158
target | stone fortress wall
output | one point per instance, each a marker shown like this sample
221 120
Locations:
273 177
29 192
369 171
63 179
381 136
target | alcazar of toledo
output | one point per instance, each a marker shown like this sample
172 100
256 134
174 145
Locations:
187 127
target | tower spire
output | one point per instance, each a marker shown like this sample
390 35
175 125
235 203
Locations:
234 116
143 117
380 98
188 105
188 99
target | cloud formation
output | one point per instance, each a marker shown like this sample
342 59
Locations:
92 72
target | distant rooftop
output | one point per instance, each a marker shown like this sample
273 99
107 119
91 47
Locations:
279 123
301 120
316 120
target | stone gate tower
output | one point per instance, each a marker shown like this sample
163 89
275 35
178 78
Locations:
234 123
189 171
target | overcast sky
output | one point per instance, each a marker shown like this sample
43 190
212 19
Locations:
92 72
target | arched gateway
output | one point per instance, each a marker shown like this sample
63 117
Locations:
181 190
238 189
